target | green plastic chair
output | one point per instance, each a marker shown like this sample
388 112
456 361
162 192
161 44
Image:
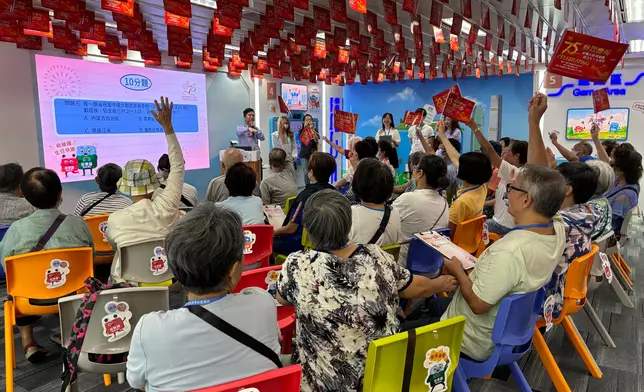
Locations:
393 250
289 201
386 357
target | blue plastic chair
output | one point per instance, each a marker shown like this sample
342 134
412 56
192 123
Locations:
423 259
3 231
512 335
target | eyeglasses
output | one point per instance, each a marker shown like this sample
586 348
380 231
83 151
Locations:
514 188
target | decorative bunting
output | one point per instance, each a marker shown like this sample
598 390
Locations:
389 7
436 14
528 17
466 8
500 26
485 16
358 6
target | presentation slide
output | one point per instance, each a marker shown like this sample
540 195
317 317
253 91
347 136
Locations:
295 96
96 113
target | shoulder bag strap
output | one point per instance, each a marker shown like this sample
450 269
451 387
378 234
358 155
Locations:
183 199
50 232
97 202
409 359
440 216
383 225
235 334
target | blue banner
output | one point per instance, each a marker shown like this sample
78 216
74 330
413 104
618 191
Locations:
91 117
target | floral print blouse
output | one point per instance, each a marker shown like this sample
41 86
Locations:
342 305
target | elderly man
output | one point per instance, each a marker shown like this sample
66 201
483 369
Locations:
148 219
217 190
248 134
280 185
581 152
46 228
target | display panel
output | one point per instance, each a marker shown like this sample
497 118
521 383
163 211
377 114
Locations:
613 124
295 96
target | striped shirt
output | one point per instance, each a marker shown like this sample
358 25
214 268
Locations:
113 203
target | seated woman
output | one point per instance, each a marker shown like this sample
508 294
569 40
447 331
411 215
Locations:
605 181
288 238
240 181
106 200
423 209
345 295
348 175
205 253
373 222
13 205
189 196
627 164
386 155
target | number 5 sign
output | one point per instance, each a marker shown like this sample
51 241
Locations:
552 81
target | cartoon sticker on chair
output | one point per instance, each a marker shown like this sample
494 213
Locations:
485 235
608 272
116 325
271 281
249 241
159 262
548 310
102 227
437 364
56 276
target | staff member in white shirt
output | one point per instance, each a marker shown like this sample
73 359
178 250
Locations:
423 209
388 129
284 138
425 130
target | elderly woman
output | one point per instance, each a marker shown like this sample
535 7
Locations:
241 181
106 200
605 181
205 253
13 206
346 295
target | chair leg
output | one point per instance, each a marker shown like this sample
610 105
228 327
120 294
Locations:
580 347
623 263
621 273
519 377
459 382
619 290
549 362
9 354
107 379
597 323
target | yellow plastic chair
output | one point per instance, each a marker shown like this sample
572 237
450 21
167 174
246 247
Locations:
393 250
289 201
35 282
386 357
104 254
306 243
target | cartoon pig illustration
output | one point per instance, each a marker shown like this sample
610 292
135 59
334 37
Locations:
56 276
159 262
116 324
249 241
69 165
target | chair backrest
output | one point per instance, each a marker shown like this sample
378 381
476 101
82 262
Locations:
602 242
306 241
576 283
258 244
98 227
259 277
435 344
114 317
468 234
422 258
145 262
517 317
49 274
289 201
627 221
393 250
3 231
286 379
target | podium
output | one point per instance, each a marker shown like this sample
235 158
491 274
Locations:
251 158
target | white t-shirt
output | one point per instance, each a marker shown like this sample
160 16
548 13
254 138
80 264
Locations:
393 132
507 172
366 221
416 145
420 210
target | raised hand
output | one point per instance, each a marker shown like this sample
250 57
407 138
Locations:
471 124
441 127
553 137
594 131
163 115
537 106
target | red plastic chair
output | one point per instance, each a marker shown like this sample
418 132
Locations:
286 379
258 246
260 277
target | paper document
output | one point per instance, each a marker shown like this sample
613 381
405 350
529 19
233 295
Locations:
447 248
275 215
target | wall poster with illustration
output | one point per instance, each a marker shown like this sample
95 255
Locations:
613 124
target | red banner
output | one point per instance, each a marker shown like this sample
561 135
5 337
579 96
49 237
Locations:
485 18
441 98
412 118
353 29
38 20
338 10
436 14
370 21
301 4
581 56
359 6
345 121
410 6
391 15
466 8
528 18
120 7
457 24
177 20
458 108
500 26
473 35
515 8
306 135
178 7
600 100
322 18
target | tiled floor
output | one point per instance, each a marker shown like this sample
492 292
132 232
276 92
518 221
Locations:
622 367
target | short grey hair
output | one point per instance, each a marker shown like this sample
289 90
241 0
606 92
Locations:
277 158
204 246
605 175
546 186
327 218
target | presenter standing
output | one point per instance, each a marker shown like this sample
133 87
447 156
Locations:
307 151
426 131
390 134
248 135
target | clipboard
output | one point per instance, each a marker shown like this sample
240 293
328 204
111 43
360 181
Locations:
447 248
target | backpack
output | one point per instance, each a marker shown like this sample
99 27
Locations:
79 329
